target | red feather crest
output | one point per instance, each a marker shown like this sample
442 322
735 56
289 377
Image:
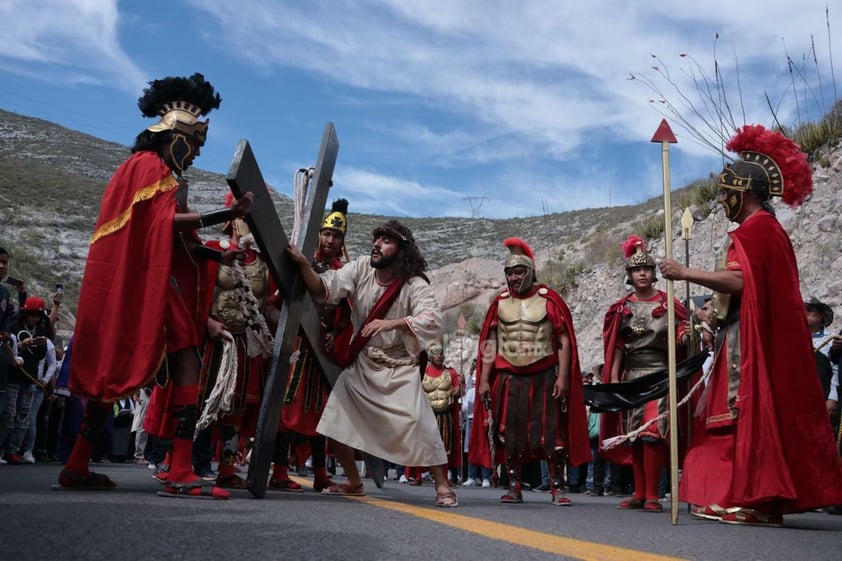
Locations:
519 247
795 170
631 244
229 199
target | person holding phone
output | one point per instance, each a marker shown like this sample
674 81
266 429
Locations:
31 330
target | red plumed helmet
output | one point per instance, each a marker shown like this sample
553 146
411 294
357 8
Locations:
631 244
519 247
785 166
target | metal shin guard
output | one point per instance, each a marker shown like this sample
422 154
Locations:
93 421
514 495
230 445
185 416
556 465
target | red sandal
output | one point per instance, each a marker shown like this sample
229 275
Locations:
287 485
90 482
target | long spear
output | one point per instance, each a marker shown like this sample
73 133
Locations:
665 136
687 235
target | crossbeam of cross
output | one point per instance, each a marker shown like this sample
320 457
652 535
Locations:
298 312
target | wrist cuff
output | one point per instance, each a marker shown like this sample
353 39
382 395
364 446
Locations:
204 252
215 217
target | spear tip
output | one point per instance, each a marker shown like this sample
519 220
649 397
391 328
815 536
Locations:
664 133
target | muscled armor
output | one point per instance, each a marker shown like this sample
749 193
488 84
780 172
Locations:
524 330
226 302
439 390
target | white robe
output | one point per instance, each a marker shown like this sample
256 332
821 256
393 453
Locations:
375 407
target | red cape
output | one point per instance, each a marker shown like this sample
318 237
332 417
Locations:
578 442
119 339
785 451
610 423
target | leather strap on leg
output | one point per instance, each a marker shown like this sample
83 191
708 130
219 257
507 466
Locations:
185 416
230 444
556 465
93 421
514 495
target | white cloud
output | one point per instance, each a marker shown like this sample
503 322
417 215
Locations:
524 102
76 40
544 73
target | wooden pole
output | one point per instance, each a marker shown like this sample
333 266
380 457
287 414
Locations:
665 136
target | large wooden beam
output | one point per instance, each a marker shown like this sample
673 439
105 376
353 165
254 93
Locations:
298 312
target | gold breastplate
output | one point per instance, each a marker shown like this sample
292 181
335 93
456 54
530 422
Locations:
439 390
524 330
226 301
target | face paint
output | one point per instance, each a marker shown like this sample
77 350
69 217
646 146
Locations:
180 152
732 200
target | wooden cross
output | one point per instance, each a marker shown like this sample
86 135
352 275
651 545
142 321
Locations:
298 312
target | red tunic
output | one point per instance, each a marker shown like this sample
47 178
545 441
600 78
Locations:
611 423
307 388
125 301
251 371
575 429
780 452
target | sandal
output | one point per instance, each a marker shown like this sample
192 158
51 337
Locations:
91 482
161 473
709 512
632 503
284 485
321 484
194 490
231 482
514 496
653 506
344 489
560 499
447 499
752 517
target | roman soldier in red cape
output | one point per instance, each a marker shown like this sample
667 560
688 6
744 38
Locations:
307 387
529 382
635 344
140 305
762 447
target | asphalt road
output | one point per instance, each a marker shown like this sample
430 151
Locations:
397 522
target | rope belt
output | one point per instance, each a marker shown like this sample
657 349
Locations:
377 355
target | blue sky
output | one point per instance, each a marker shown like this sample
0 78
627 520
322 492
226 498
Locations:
525 106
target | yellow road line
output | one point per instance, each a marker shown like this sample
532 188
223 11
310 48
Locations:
550 543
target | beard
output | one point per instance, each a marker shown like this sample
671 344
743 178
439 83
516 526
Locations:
384 261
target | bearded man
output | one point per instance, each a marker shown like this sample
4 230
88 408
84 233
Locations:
377 404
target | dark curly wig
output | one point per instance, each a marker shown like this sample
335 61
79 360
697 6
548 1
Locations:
410 261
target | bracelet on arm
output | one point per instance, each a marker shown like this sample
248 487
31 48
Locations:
208 253
215 217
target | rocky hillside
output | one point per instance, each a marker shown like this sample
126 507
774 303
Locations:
51 182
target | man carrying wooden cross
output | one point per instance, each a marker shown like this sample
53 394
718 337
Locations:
397 318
